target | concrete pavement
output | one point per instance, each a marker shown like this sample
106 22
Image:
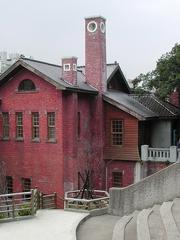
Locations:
47 225
97 228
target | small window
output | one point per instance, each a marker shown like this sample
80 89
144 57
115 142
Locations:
26 186
51 126
117 179
35 125
117 132
5 117
9 184
19 125
67 67
26 85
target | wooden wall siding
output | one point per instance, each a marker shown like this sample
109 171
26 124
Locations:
129 149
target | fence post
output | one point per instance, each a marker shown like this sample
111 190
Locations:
55 199
32 202
144 152
13 208
173 154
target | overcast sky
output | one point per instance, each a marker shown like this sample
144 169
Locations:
138 31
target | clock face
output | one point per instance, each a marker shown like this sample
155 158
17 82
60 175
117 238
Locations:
102 27
92 26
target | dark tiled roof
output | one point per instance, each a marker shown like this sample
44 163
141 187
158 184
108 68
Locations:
55 73
156 105
142 107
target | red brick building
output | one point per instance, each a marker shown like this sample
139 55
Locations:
57 121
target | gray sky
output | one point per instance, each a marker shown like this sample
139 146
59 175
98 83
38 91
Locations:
138 31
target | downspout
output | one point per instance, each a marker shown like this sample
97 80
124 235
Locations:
107 164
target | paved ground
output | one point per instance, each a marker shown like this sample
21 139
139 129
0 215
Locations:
47 225
97 228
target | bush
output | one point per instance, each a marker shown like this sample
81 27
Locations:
24 210
2 215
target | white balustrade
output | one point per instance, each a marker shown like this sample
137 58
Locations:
171 154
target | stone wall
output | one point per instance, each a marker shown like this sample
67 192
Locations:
155 189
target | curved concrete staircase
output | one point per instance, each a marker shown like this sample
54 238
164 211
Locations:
161 222
147 210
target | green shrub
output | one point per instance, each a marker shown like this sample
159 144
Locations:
24 210
2 215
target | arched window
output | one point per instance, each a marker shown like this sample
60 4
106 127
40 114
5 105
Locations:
26 85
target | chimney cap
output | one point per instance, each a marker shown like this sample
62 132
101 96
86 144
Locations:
69 57
94 17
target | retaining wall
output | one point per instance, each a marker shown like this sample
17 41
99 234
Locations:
155 189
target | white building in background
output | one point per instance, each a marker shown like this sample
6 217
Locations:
6 60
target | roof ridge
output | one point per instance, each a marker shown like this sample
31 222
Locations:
38 61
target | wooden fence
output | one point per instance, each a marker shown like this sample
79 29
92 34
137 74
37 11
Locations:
25 204
100 200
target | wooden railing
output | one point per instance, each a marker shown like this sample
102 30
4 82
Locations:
100 200
18 205
25 204
171 154
48 201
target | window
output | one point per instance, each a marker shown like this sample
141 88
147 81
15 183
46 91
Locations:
26 187
9 184
5 117
67 67
79 124
51 126
26 182
35 125
26 85
117 179
19 125
116 132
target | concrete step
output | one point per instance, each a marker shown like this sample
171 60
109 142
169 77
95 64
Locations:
171 229
176 212
142 225
131 228
156 226
119 229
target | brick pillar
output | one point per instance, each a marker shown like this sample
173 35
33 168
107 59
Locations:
95 55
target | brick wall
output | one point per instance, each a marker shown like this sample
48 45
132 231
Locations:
41 161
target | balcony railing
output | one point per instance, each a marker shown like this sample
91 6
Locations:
171 154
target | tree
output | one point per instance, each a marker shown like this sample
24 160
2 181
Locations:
165 78
2 177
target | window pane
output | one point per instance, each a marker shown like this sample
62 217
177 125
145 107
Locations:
5 116
26 85
51 125
9 184
35 125
19 125
117 132
117 179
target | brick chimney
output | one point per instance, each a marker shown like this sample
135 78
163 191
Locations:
95 52
175 97
69 70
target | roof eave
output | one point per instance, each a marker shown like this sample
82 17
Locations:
80 90
124 108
